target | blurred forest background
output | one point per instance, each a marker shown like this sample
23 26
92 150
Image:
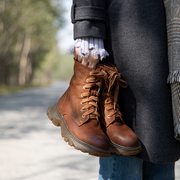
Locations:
29 52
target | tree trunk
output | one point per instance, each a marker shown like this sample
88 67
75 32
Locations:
28 70
23 59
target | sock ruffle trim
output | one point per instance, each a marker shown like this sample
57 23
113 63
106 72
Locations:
87 44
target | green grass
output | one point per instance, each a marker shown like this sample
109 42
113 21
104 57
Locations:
4 89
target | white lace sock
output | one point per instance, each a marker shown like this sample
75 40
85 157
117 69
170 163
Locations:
89 43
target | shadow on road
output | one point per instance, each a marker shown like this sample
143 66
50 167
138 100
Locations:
31 146
24 112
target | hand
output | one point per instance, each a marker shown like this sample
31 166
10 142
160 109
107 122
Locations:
89 61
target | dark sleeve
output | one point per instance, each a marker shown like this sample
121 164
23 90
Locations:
89 18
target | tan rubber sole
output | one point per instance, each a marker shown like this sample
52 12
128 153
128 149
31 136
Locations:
126 151
57 119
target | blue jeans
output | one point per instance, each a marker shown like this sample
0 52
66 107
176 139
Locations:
118 167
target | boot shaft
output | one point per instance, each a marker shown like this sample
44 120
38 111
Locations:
110 109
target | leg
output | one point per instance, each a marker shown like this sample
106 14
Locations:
153 171
118 167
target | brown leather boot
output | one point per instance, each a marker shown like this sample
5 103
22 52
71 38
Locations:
77 112
123 139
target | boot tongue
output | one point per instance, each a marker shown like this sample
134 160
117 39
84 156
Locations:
93 116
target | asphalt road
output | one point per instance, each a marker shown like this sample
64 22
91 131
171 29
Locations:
31 147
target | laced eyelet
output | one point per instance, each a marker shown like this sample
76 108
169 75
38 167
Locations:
109 71
83 116
81 95
108 116
82 110
105 109
87 80
80 102
84 87
89 73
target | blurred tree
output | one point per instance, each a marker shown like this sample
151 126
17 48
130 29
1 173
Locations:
28 32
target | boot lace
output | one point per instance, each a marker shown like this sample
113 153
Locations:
114 81
91 97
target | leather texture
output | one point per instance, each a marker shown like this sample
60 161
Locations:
79 106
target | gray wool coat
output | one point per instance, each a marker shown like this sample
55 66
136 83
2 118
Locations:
135 36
